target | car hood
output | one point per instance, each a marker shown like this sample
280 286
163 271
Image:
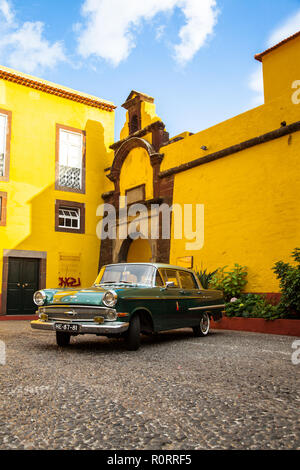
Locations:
90 296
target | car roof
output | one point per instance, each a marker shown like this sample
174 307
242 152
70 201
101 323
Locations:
156 265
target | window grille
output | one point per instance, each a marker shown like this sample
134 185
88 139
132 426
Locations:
3 128
70 159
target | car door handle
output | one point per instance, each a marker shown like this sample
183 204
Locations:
182 292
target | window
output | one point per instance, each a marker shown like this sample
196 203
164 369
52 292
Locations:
3 199
3 127
158 280
187 280
5 131
70 174
136 194
69 217
126 273
170 275
134 124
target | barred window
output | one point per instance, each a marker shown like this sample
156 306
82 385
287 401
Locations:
3 130
69 218
70 173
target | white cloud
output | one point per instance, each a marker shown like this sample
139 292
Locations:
6 11
201 17
290 26
257 86
160 31
29 51
24 46
110 27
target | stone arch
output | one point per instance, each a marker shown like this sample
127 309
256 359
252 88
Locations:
122 153
145 249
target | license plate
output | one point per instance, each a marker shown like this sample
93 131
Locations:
72 328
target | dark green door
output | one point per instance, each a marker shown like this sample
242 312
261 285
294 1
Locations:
172 297
23 281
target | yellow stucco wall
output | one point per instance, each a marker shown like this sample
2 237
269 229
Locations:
31 191
139 251
251 198
281 69
137 170
251 210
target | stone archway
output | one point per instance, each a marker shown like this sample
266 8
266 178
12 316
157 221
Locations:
136 250
114 251
139 251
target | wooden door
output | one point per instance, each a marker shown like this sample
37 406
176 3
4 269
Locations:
23 281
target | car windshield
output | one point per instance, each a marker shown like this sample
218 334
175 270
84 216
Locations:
126 274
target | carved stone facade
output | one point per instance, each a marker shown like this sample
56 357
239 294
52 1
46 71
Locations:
150 138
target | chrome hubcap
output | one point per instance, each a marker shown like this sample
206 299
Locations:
204 323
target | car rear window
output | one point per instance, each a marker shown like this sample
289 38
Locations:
187 280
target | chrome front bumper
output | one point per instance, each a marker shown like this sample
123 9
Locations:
85 328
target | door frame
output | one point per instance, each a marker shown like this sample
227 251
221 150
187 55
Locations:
39 255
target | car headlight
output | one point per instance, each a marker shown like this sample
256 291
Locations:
110 298
111 315
39 297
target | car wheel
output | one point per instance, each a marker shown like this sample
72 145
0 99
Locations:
62 339
203 328
132 337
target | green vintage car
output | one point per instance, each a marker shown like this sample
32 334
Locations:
128 299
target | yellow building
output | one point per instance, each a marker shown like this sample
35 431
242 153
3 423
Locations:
245 172
54 147
59 161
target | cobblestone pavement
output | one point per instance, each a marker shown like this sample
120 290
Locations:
230 390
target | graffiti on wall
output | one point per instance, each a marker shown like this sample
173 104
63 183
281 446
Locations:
69 272
69 282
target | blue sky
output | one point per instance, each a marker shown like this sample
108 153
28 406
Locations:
194 56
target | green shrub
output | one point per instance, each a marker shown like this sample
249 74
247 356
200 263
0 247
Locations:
205 277
289 281
231 282
252 306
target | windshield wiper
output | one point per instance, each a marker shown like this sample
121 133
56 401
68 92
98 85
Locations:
106 282
115 282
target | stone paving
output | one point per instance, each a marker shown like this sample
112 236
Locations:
230 390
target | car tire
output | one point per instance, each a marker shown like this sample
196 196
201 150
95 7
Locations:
62 339
203 328
132 336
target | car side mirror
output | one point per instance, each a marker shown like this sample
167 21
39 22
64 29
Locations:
170 284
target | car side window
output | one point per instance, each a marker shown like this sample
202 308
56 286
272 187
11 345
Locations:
171 276
158 280
187 280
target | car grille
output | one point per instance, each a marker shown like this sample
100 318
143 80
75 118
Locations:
76 313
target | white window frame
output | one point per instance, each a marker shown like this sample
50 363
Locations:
70 217
80 167
4 143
